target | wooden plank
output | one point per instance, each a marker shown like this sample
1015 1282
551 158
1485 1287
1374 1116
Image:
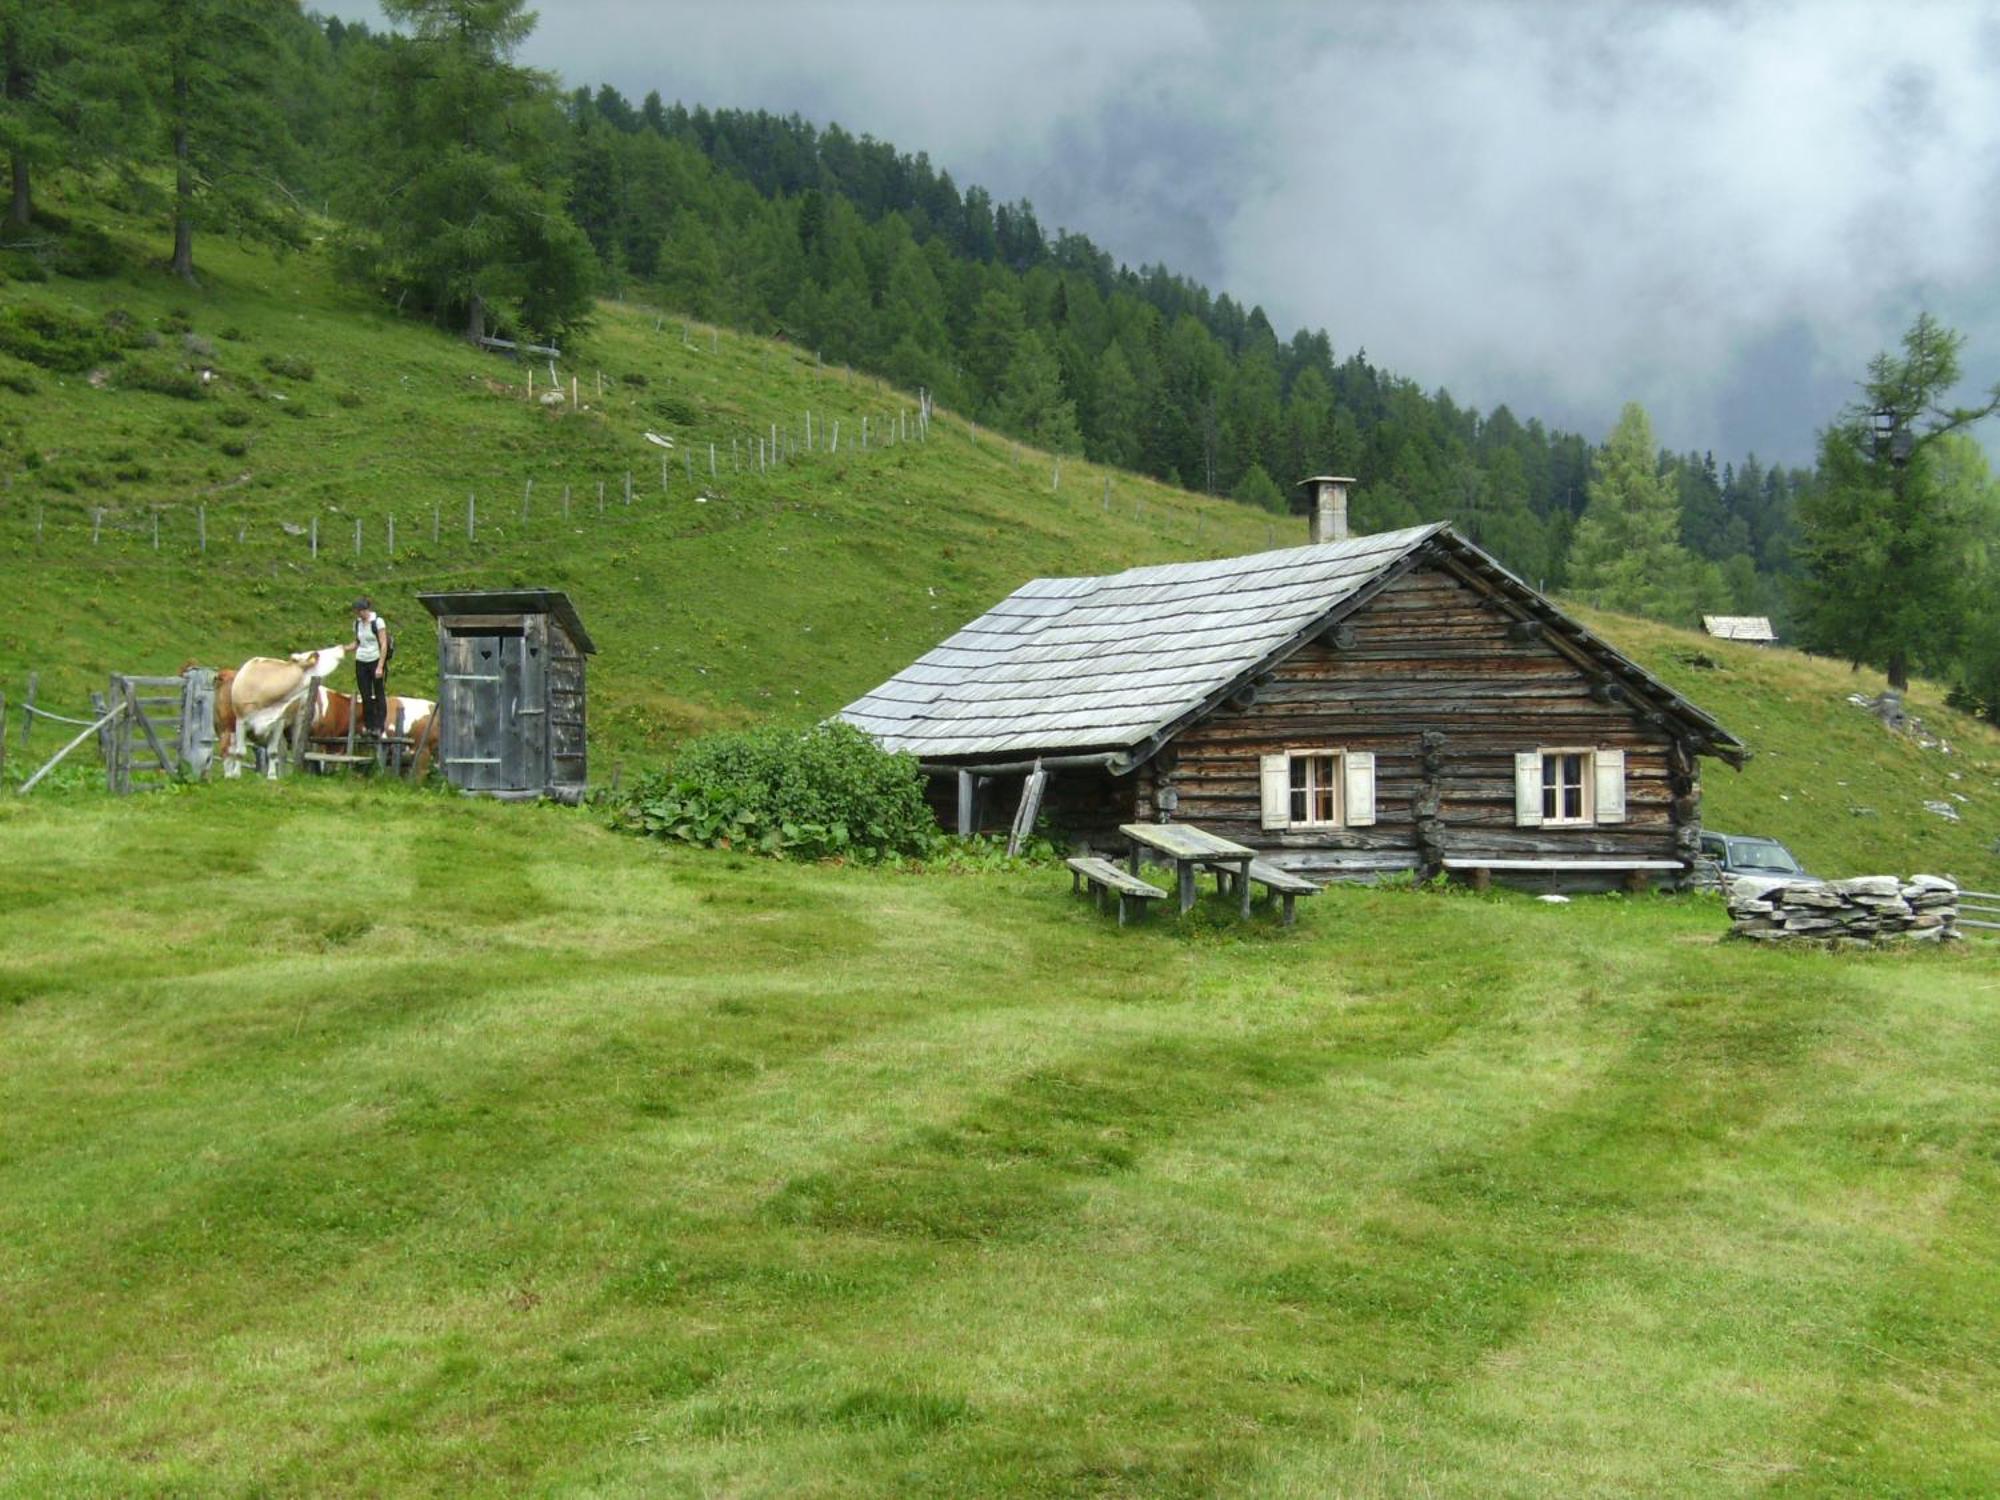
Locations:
117 710
1471 862
137 714
1184 841
1026 813
1103 872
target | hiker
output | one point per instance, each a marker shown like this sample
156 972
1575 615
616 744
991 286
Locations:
371 665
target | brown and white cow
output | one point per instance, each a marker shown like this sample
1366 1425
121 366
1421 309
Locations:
266 694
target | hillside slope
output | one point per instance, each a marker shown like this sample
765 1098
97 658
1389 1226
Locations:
713 598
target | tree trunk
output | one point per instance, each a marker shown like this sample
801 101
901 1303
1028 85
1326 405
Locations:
182 264
475 319
1899 670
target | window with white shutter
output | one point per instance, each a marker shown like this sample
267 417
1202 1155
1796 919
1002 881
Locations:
1328 788
1568 786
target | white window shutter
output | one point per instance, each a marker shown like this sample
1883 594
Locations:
1360 773
1611 786
1528 788
1276 779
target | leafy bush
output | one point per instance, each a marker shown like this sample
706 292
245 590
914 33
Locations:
824 792
234 416
88 254
56 340
291 366
674 409
162 379
349 399
20 382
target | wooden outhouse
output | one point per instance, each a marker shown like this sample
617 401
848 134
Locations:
511 692
1357 706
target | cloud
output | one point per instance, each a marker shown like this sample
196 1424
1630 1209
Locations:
1720 210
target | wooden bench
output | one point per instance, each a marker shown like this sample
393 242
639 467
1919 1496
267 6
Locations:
1102 876
1636 872
1275 879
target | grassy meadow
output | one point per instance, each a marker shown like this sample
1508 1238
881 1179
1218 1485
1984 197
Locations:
358 1139
387 1143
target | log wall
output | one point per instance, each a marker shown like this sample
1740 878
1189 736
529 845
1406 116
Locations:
1444 688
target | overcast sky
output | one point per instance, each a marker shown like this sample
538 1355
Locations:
1719 210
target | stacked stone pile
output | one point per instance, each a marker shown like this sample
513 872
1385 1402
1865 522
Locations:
1854 913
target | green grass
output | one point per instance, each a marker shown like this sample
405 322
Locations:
789 592
387 1143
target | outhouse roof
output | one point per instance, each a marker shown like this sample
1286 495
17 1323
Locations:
1115 664
513 602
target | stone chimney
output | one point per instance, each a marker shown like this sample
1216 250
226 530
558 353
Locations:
1328 493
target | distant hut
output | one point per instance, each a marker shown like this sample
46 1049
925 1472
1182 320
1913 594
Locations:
511 703
1360 705
1753 628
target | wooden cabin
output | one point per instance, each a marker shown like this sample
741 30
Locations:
511 702
1354 707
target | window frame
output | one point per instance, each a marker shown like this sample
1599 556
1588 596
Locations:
1586 786
1338 760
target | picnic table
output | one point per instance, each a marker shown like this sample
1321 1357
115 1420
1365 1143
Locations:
1187 848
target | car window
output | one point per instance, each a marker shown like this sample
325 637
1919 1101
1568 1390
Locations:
1764 855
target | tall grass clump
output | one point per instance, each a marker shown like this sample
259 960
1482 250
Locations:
825 792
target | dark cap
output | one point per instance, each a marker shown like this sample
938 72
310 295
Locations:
364 602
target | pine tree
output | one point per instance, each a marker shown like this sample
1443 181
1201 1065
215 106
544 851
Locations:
1627 553
464 191
64 92
208 72
1033 403
1882 534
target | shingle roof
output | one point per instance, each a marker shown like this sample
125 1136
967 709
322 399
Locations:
1739 627
1075 664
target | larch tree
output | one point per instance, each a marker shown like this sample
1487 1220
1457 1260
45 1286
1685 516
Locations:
464 186
66 94
1881 534
208 73
1627 553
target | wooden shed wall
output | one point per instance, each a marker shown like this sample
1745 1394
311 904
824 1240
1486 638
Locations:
1438 689
1086 806
567 718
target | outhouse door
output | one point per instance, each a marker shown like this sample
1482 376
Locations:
486 742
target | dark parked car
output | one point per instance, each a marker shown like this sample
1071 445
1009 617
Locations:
1758 862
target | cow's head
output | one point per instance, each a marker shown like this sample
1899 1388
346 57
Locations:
320 664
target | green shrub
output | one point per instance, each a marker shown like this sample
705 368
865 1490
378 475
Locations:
54 339
813 794
20 382
674 409
161 378
19 265
291 366
88 254
234 416
349 399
